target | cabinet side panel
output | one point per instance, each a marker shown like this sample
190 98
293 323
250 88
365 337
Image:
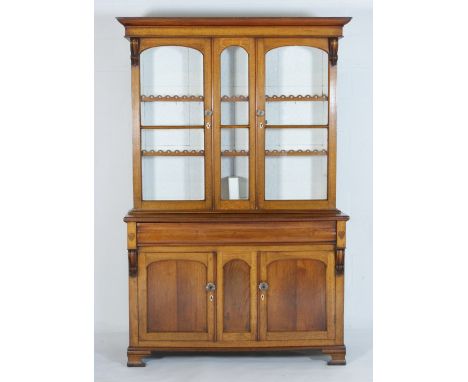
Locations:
236 274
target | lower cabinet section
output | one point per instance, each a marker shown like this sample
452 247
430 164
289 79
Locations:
236 296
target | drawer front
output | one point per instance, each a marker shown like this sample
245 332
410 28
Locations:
231 233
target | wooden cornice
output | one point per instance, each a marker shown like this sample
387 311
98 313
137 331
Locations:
231 21
147 27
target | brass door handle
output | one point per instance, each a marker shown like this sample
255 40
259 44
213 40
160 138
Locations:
210 287
263 286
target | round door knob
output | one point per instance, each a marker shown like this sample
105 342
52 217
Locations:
210 287
263 286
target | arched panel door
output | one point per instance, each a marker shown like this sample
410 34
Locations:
295 124
297 295
176 296
237 303
174 125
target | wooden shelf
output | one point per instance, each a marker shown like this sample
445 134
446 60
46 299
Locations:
234 153
296 126
307 98
278 153
174 153
239 98
168 98
173 127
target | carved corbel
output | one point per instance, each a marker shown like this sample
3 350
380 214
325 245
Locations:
135 51
339 261
333 50
132 262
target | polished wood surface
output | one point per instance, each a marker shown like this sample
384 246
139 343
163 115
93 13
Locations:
226 233
176 296
196 267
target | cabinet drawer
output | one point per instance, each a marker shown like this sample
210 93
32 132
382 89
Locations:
272 232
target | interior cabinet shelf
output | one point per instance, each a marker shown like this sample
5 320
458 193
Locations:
296 126
168 98
235 126
307 97
277 153
170 153
234 153
175 127
239 98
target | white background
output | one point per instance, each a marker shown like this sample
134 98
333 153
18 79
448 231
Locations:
113 178
419 208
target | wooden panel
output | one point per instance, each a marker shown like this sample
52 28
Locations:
237 284
176 296
223 233
296 297
173 303
300 301
236 296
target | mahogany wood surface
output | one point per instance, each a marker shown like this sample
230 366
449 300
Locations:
225 233
196 267
236 296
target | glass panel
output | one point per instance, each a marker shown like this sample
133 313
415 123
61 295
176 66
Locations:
234 113
234 72
171 70
234 139
295 177
172 139
297 73
173 178
296 113
296 139
234 178
234 86
172 114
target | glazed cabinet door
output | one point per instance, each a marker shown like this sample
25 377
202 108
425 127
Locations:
234 122
176 293
297 295
173 124
295 124
237 295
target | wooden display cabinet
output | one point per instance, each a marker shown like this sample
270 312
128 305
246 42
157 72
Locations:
234 241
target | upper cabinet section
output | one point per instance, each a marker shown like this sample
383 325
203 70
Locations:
234 114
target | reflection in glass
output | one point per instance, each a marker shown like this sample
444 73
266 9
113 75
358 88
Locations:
295 177
171 70
172 139
296 139
173 178
234 178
